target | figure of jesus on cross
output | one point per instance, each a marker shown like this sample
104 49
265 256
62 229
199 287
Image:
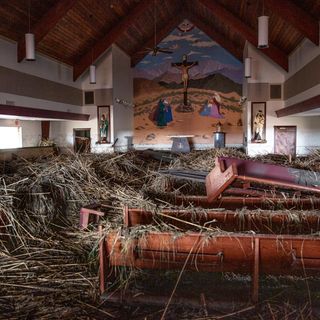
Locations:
184 66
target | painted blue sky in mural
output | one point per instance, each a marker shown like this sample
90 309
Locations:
199 47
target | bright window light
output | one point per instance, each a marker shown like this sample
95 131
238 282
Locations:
10 137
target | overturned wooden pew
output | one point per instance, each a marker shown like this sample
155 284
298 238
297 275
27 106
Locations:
228 237
258 221
229 170
239 253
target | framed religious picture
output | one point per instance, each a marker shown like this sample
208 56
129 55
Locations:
104 124
258 122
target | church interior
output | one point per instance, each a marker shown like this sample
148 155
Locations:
160 159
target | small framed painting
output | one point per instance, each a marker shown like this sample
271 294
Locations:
258 122
104 124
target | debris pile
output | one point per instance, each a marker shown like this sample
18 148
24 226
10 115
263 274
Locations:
49 268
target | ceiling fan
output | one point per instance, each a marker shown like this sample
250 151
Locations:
156 49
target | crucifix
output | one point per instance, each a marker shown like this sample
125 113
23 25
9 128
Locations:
184 66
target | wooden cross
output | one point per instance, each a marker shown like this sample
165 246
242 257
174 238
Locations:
184 66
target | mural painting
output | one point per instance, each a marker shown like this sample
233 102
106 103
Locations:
188 91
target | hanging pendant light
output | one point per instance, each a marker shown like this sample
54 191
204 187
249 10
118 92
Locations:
30 47
247 67
30 43
263 30
92 72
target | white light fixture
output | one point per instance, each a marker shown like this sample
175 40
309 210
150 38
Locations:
263 32
92 74
30 47
92 71
247 67
30 43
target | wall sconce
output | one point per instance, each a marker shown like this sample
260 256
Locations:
124 102
247 67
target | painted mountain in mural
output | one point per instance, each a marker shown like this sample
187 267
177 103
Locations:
216 82
166 73
217 73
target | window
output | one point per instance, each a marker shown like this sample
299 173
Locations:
275 91
10 137
88 98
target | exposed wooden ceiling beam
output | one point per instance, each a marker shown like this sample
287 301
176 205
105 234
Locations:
238 26
103 44
297 17
303 106
41 113
166 28
225 43
45 24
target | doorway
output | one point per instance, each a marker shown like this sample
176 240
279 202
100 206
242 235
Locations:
82 140
285 138
10 137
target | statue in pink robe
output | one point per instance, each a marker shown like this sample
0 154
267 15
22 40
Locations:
212 108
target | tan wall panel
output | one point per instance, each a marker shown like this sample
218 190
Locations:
22 84
258 92
304 79
103 97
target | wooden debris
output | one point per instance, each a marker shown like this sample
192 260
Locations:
48 268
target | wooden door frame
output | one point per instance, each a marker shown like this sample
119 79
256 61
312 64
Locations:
264 140
295 137
99 113
74 136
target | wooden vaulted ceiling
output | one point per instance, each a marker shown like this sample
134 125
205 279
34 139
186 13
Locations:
76 32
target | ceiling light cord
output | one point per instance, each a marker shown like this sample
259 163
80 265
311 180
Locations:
29 13
155 24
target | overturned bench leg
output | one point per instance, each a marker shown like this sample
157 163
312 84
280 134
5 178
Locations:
255 273
219 179
85 214
101 262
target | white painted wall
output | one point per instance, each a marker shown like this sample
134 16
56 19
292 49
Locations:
31 130
24 101
122 75
301 56
31 133
308 133
104 67
63 130
63 134
266 71
113 71
263 69
43 67
305 95
47 69
60 131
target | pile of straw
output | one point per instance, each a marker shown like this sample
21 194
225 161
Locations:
48 268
